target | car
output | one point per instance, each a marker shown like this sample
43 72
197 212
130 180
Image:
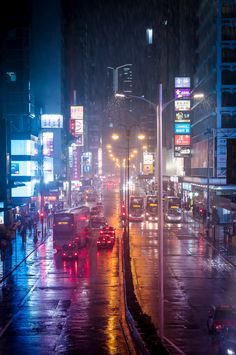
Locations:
221 317
97 222
174 215
227 344
104 241
109 231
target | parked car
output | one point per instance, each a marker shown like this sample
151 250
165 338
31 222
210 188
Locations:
221 317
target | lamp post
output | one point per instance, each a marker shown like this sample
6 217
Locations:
115 75
128 135
159 110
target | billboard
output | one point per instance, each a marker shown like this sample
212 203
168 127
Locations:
23 168
86 162
24 147
182 82
182 139
182 128
182 151
47 141
51 121
184 93
182 105
77 121
181 116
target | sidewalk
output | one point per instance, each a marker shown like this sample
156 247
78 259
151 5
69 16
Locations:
226 246
20 250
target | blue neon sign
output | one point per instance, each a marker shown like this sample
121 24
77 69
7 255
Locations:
182 128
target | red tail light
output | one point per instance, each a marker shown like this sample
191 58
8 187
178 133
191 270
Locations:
75 254
70 245
64 254
219 327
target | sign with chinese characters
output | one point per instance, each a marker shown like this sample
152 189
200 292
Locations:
182 124
51 121
182 128
183 93
182 139
181 116
182 82
182 151
76 120
182 105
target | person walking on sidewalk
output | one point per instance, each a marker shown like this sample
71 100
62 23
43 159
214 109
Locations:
23 232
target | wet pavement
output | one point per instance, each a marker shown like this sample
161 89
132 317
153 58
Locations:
48 305
197 273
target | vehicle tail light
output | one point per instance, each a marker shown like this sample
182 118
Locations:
101 232
75 254
108 241
70 245
64 254
219 327
98 241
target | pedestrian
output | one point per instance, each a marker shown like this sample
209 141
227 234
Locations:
23 232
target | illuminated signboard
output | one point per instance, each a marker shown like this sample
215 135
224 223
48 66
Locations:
51 121
182 116
147 158
183 93
182 128
79 127
47 138
76 120
80 140
182 105
77 112
182 151
182 139
182 82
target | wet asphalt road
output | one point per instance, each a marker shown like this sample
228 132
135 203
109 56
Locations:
50 306
195 277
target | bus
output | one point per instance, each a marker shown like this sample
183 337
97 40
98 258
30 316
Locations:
173 209
69 225
151 212
136 208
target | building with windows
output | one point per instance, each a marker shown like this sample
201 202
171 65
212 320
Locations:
210 179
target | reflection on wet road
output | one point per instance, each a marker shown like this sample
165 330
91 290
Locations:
195 276
70 307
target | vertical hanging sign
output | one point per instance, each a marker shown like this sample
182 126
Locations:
182 124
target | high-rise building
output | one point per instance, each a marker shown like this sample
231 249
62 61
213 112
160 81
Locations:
211 181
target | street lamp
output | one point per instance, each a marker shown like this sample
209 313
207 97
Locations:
115 75
140 136
159 110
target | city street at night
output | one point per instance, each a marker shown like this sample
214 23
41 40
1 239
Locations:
118 177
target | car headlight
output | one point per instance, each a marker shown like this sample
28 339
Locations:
230 352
